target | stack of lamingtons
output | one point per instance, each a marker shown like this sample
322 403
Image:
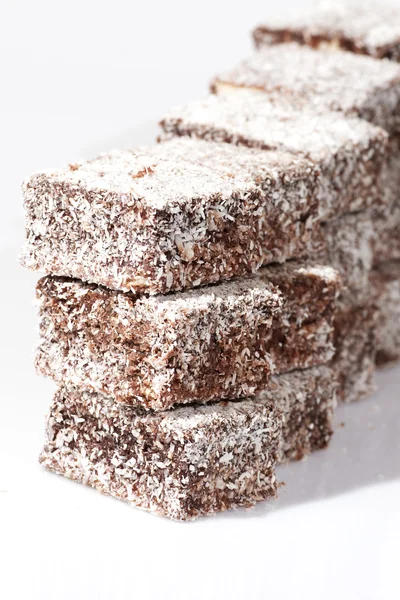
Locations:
208 299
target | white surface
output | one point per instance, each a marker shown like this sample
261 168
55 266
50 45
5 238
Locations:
77 80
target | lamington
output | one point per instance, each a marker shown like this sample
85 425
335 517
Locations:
349 152
361 26
195 460
170 217
320 80
220 342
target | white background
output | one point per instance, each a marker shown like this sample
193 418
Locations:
78 78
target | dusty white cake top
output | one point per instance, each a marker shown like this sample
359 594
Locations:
148 174
169 174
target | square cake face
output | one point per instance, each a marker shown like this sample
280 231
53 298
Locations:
350 153
300 77
362 26
171 217
192 461
209 344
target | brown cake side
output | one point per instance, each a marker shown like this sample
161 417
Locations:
208 344
171 217
190 461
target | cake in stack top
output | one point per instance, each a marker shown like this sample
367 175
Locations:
361 26
188 212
